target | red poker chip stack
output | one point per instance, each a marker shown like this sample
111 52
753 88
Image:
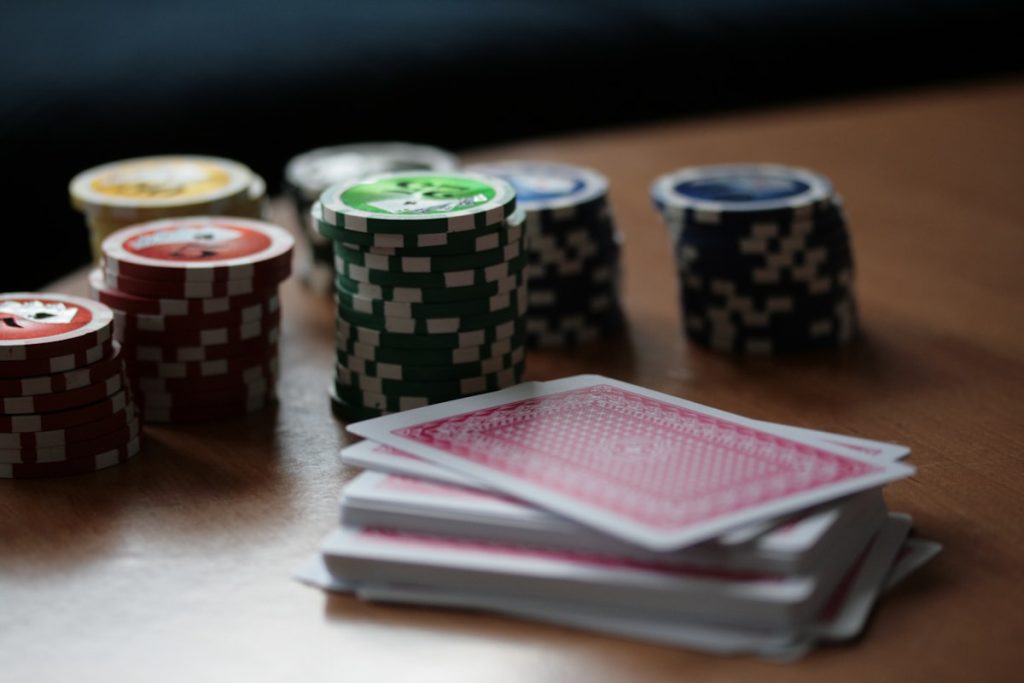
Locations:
197 313
66 406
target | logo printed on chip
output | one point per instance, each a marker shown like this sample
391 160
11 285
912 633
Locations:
199 242
410 195
743 188
166 178
37 318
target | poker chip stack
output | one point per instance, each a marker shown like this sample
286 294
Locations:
310 173
197 313
573 251
430 289
764 258
65 403
123 193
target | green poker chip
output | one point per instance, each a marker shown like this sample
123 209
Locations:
405 264
351 413
430 244
347 331
384 394
364 401
455 278
432 373
427 295
350 348
412 203
433 326
399 309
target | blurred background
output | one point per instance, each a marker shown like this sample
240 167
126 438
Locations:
89 82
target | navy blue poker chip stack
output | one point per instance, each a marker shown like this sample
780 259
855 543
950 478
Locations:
764 257
573 251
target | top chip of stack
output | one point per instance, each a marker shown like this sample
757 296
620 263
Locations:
573 249
763 254
430 288
121 193
65 405
197 312
309 174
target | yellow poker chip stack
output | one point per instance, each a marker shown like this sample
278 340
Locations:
123 193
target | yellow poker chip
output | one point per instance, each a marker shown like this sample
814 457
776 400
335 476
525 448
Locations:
132 188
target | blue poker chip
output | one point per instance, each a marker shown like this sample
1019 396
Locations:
543 186
713 194
760 288
828 221
756 344
575 329
714 247
574 258
599 269
749 267
596 280
759 310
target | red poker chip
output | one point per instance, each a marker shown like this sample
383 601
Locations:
64 381
203 413
57 364
42 422
129 303
91 463
142 322
210 368
64 400
199 249
159 289
80 449
193 354
58 438
215 336
45 326
253 375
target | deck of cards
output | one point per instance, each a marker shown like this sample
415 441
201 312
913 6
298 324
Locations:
592 503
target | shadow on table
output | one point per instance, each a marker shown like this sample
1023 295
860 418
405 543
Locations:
47 524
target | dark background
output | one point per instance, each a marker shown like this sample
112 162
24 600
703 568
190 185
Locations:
89 82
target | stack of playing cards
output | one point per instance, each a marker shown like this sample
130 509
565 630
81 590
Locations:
597 504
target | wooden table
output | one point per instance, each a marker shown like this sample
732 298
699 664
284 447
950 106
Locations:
176 567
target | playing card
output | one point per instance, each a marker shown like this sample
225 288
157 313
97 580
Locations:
380 458
411 505
877 449
313 572
844 616
702 594
722 640
651 469
915 553
846 612
703 637
377 457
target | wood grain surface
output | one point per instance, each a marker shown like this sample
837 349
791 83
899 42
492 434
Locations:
176 566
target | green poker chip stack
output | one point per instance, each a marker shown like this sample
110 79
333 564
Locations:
430 289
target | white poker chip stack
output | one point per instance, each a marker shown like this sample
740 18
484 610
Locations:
197 313
66 406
